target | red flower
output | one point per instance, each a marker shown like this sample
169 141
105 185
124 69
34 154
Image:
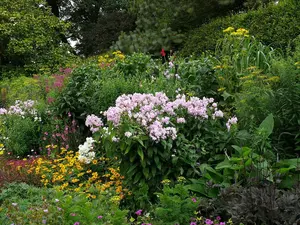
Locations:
163 53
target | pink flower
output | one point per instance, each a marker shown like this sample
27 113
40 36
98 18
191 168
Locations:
209 222
76 223
100 217
222 223
180 120
218 218
73 214
139 212
193 223
194 199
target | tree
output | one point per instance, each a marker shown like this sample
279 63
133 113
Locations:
29 37
95 23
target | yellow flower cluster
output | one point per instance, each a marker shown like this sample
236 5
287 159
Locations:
256 75
239 32
2 149
66 172
108 60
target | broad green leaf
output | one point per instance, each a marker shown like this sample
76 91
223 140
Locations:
267 125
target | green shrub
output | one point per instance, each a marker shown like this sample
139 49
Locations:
134 65
20 88
275 25
76 95
175 206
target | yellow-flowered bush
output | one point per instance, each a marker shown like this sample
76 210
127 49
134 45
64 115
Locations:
108 60
67 173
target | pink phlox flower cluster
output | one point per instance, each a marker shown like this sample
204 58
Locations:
154 112
180 120
217 113
3 111
20 108
157 132
230 122
93 122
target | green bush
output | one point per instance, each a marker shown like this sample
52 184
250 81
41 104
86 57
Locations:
20 88
175 206
275 25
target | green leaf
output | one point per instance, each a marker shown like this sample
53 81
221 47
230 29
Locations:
223 165
267 125
141 153
157 162
137 177
146 172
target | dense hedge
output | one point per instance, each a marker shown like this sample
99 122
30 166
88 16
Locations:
275 25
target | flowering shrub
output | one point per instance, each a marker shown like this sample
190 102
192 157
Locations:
60 132
237 52
66 172
20 126
108 60
14 170
54 83
148 133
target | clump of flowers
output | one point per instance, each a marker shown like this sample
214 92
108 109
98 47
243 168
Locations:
54 83
158 114
108 60
238 32
21 109
200 220
66 172
86 155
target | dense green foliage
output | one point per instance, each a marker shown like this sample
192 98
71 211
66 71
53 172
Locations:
29 38
268 25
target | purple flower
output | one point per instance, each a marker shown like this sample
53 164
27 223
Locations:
139 212
76 223
100 217
222 223
209 222
193 223
194 199
59 209
218 218
44 221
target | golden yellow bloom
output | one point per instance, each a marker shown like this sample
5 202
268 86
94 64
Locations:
75 180
228 30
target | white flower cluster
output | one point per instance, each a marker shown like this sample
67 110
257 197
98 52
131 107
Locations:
85 153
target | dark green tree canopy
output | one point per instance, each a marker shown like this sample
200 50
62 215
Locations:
95 23
29 36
